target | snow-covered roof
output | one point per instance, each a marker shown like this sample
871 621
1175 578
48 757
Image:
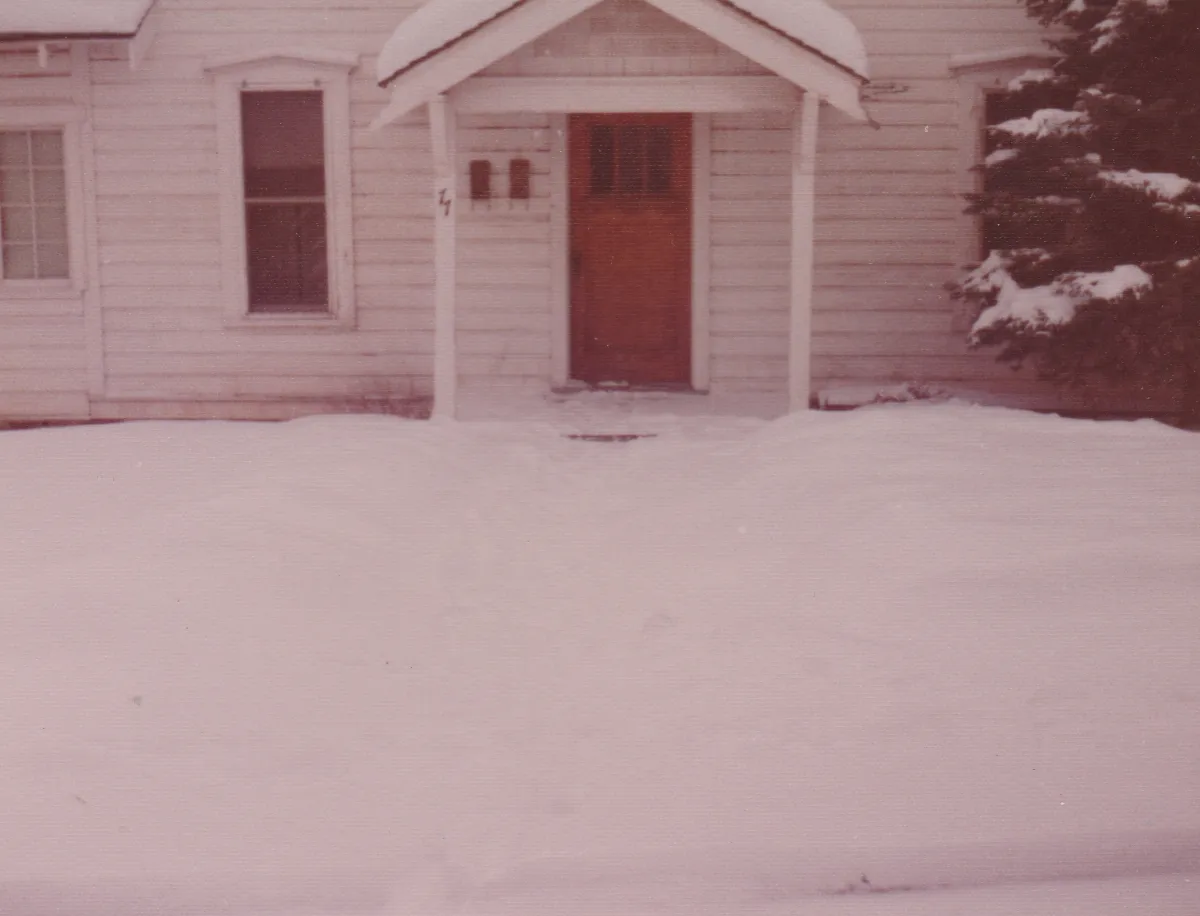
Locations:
813 24
434 26
32 19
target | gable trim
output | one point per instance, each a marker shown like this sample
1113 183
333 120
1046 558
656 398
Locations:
307 57
734 8
473 51
595 94
462 36
984 60
784 56
523 21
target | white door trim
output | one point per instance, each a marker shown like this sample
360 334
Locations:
443 125
701 251
804 170
560 228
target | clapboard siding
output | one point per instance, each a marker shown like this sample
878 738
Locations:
504 256
160 232
887 228
750 187
886 215
43 341
623 38
887 219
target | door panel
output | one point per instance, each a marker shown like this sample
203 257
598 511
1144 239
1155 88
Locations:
631 248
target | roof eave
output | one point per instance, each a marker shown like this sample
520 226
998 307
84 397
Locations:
799 42
41 37
450 44
838 83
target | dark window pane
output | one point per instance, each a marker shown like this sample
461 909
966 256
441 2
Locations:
287 262
33 208
16 186
1001 233
998 108
603 158
20 262
631 165
283 138
14 149
658 160
46 147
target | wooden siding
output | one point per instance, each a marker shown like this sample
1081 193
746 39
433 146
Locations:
504 246
167 343
43 348
887 209
624 38
887 226
887 219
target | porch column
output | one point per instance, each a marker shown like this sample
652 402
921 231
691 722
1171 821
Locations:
804 171
443 126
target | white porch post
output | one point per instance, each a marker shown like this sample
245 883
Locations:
443 126
804 171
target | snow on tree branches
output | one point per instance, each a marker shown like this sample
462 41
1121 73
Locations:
1091 203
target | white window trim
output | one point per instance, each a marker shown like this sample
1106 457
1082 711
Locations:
284 71
977 75
67 119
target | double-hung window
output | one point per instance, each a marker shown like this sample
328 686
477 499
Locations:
41 234
982 103
284 141
33 205
283 179
980 78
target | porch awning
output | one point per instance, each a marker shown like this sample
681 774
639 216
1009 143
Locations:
72 20
445 41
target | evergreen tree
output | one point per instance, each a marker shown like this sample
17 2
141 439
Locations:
1094 203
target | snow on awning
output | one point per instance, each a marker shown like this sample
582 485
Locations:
45 20
433 28
812 27
813 24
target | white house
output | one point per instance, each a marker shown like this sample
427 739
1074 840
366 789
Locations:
267 208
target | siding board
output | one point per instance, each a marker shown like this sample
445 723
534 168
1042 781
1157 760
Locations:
886 216
43 351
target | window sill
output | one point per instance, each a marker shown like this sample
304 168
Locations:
35 289
290 321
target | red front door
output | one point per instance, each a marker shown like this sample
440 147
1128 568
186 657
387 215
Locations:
631 248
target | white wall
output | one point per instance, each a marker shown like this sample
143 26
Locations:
167 350
43 339
887 220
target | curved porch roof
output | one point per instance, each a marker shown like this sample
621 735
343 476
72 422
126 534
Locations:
806 42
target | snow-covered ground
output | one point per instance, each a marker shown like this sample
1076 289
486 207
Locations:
366 665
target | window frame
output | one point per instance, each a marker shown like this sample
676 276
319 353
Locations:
976 76
986 73
68 121
286 72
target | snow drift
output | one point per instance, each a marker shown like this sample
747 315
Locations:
456 665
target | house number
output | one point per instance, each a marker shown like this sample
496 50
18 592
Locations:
445 201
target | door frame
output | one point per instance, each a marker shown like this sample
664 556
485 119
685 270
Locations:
560 223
